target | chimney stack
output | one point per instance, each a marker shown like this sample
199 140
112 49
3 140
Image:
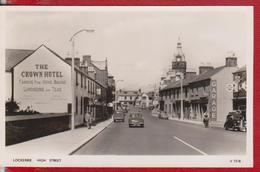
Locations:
203 69
190 74
86 60
84 68
77 61
68 60
231 62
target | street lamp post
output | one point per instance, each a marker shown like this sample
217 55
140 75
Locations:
72 40
181 75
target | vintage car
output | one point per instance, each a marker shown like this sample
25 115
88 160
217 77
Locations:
119 116
163 115
136 120
235 121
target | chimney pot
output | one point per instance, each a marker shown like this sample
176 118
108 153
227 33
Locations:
68 60
77 61
86 60
231 62
203 69
190 74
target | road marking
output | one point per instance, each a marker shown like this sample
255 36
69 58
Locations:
187 144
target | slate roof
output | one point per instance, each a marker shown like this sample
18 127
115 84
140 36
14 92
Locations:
99 64
242 69
15 56
170 85
208 74
177 84
201 77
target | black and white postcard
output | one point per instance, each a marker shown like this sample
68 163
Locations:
127 86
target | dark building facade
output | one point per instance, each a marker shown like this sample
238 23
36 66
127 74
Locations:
240 89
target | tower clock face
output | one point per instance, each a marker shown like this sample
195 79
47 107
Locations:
178 65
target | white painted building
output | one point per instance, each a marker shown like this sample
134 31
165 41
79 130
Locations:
41 79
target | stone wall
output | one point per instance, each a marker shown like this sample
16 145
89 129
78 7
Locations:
30 127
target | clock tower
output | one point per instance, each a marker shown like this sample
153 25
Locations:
179 65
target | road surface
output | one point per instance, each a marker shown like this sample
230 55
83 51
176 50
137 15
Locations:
164 137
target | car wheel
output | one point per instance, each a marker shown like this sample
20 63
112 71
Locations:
130 126
114 120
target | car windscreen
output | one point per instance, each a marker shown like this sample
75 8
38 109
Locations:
136 115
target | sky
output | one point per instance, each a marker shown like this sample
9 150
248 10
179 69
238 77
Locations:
139 43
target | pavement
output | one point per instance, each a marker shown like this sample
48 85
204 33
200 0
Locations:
164 137
211 124
63 143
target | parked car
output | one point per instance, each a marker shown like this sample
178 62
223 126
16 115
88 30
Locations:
136 120
235 121
119 116
163 115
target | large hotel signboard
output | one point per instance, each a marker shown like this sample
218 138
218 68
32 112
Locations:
42 82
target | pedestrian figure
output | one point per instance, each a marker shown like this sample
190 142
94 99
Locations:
88 119
206 119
